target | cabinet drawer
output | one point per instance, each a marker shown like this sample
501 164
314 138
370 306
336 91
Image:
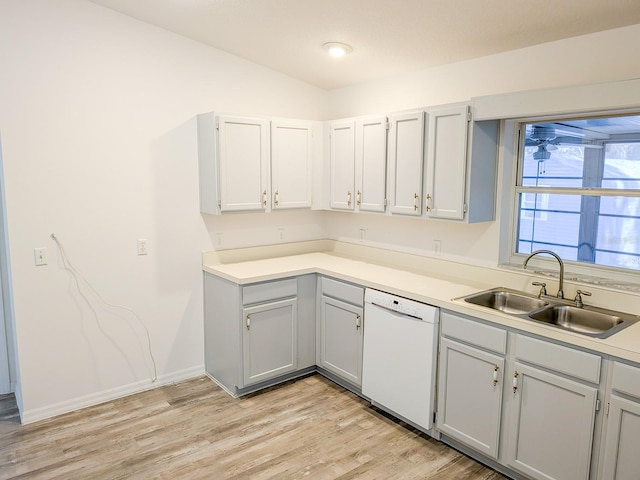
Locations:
626 379
565 360
262 292
343 291
472 332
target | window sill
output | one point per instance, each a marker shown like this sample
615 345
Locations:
602 282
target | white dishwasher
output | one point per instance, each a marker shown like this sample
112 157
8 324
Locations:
400 355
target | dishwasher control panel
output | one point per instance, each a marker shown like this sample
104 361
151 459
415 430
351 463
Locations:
400 305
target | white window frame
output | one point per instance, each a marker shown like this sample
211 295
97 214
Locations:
604 276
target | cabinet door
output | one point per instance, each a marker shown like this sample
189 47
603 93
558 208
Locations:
371 164
291 164
621 459
406 160
269 340
341 339
342 139
551 423
244 163
470 396
446 162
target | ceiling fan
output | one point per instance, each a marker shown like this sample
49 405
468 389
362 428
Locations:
547 137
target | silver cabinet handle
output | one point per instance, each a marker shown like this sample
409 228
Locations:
275 198
358 322
349 198
415 201
248 322
264 199
515 381
358 197
427 200
495 375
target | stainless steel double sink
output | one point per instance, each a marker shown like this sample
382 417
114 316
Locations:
587 320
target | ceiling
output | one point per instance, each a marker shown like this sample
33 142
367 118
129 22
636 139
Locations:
389 37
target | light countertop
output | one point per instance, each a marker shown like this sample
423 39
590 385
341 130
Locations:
438 290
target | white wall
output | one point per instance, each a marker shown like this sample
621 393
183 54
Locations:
98 124
594 58
600 57
97 118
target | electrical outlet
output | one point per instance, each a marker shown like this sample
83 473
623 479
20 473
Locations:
40 256
142 246
219 238
281 234
363 234
437 247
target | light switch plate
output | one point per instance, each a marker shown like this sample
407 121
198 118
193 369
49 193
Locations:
142 246
40 256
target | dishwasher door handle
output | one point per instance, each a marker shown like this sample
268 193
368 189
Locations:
395 312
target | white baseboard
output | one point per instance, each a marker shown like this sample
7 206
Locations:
30 416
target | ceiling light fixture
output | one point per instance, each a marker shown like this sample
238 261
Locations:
337 49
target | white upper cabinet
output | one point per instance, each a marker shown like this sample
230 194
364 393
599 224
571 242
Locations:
375 164
371 164
244 163
342 157
460 177
291 163
406 148
446 162
233 156
254 164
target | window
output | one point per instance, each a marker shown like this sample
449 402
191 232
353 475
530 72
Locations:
578 190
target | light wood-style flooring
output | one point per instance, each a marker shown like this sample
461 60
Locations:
309 428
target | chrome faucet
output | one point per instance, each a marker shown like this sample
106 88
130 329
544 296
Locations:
560 293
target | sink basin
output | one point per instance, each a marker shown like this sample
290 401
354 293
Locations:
507 301
588 320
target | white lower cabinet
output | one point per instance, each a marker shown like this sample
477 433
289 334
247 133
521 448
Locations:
341 330
470 373
551 423
553 393
471 382
528 404
258 333
269 340
621 460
